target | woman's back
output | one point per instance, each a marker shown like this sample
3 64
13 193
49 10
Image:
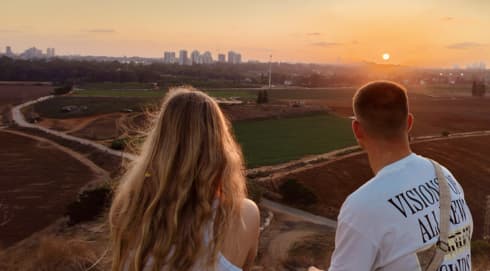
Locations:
240 243
164 202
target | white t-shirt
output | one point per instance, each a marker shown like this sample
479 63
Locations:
395 214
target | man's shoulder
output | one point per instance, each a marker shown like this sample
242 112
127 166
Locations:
361 202
372 195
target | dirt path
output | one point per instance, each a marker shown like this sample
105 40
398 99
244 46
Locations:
20 120
296 214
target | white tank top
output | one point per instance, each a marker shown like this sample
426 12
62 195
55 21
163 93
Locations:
222 263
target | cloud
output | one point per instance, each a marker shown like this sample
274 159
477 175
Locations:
102 30
314 34
464 45
447 18
325 44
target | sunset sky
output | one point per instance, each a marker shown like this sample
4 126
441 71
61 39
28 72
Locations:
416 32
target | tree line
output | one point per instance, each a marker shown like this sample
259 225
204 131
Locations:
63 71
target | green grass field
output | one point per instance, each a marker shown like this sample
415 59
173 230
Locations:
268 142
228 93
117 86
119 93
244 94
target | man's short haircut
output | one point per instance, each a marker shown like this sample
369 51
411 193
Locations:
382 109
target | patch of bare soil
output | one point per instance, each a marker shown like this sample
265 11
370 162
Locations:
37 180
294 245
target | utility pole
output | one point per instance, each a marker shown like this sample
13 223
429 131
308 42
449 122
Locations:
270 71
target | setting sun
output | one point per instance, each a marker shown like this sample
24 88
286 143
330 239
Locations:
386 56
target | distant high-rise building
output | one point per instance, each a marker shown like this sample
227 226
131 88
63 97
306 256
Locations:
207 58
221 58
195 57
238 59
8 51
231 56
169 58
183 57
234 58
50 52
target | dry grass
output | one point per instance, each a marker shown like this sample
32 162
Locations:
480 254
315 250
52 254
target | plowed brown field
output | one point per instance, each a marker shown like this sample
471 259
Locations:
467 158
433 115
37 181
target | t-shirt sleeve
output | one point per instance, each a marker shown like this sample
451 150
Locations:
353 251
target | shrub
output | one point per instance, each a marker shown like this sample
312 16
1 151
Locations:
294 192
310 251
118 144
89 205
62 90
255 191
262 97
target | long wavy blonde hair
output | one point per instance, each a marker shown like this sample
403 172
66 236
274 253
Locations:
164 203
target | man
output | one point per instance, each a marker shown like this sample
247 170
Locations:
383 224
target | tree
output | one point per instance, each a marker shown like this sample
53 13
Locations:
265 97
63 89
295 192
262 97
478 89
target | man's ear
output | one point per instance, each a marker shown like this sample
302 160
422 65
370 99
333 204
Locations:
357 129
410 120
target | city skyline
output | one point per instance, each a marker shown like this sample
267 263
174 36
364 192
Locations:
169 57
419 33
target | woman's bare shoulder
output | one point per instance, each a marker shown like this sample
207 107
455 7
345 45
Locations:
250 215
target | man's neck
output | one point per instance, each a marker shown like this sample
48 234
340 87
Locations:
384 154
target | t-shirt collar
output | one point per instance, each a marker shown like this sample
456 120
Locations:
396 165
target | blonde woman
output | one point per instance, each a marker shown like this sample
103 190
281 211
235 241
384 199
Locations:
182 205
